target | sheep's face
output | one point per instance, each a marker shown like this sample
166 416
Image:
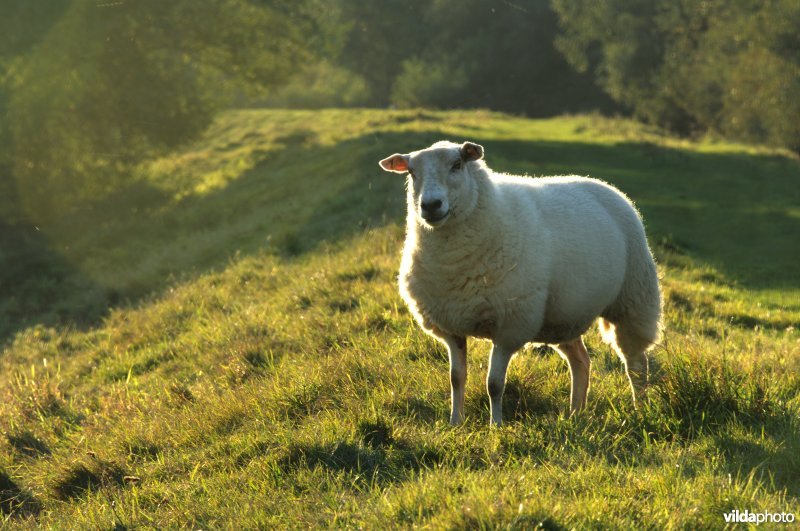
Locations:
439 185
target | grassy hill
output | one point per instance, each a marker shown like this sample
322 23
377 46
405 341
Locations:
222 343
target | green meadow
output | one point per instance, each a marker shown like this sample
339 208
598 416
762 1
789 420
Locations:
221 344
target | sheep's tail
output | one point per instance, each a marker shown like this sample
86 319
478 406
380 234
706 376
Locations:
633 322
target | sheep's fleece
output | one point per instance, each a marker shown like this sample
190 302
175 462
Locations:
521 260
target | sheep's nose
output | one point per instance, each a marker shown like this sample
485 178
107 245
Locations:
430 207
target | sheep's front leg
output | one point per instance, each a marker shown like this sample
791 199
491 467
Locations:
496 380
457 348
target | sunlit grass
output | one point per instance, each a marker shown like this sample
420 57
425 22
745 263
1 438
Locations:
258 368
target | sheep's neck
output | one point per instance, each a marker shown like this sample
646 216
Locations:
462 243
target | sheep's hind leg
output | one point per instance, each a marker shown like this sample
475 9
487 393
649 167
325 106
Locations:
496 380
457 349
633 349
574 352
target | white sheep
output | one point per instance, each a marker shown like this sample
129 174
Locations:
523 260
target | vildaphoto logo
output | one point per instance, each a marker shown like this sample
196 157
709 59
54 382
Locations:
746 517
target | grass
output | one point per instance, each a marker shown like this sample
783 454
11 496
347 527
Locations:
222 344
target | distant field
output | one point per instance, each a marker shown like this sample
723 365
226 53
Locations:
222 343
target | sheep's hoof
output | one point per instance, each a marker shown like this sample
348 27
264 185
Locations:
640 398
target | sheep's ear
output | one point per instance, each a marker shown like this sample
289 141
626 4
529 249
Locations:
397 163
471 151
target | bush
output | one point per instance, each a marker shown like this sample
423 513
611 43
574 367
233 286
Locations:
319 86
429 84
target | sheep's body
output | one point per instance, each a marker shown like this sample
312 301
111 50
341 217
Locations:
555 257
531 260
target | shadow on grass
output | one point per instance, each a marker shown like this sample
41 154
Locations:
14 500
521 402
82 478
28 444
731 210
38 286
388 464
772 457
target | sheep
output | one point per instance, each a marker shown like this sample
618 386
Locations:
520 260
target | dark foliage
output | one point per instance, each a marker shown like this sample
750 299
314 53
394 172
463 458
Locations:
88 89
730 66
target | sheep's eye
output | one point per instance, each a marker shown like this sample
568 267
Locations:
411 172
456 166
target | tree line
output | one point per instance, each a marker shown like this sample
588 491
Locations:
729 66
88 88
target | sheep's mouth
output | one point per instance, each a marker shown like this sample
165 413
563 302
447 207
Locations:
435 221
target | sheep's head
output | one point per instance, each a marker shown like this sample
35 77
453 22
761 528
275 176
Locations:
440 186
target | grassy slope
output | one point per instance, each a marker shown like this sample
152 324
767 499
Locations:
223 342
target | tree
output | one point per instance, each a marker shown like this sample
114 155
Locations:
728 66
106 84
448 54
